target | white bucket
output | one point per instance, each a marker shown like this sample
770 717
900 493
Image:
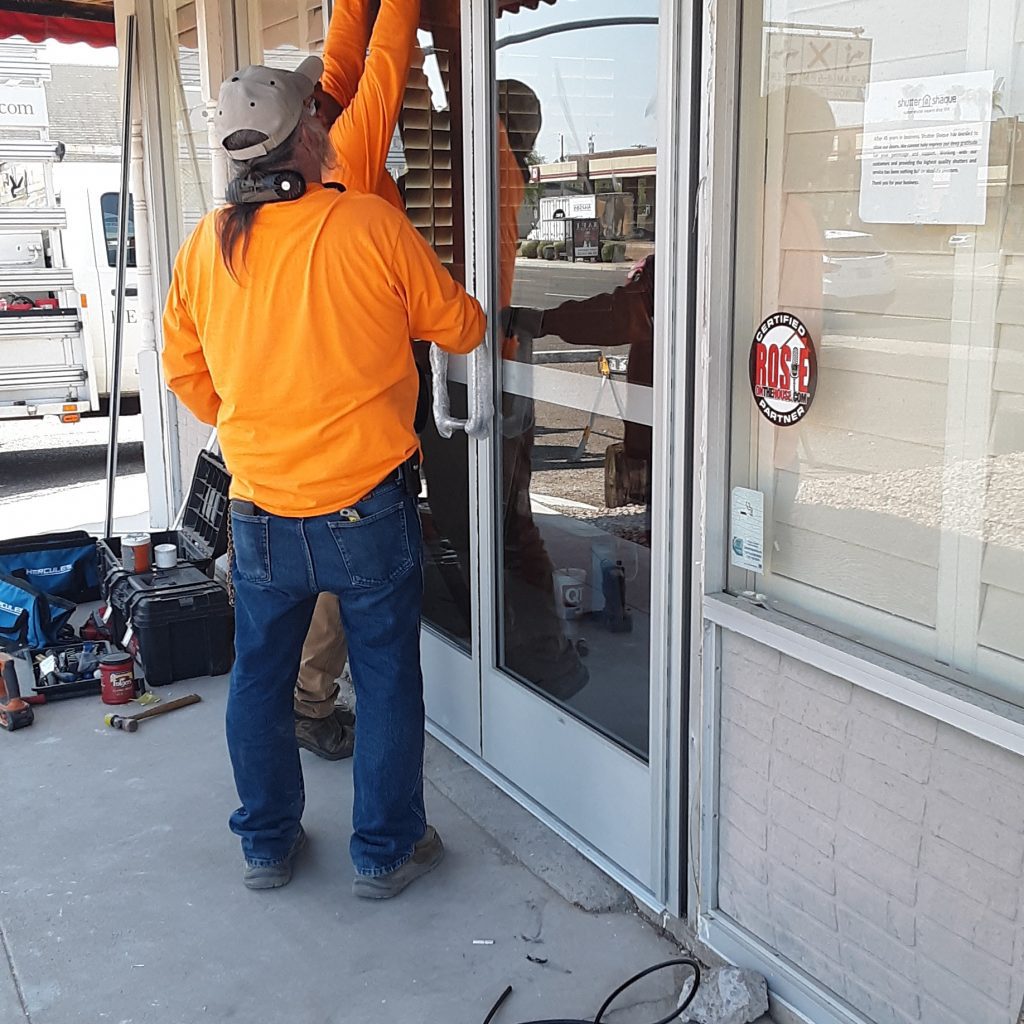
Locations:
570 592
165 556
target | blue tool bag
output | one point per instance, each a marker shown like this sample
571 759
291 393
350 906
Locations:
29 617
63 564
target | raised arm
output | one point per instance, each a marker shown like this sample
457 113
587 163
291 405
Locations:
345 49
440 310
363 132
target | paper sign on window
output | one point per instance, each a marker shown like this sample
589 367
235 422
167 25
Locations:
746 529
925 150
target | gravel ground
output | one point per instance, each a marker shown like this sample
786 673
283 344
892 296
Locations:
980 498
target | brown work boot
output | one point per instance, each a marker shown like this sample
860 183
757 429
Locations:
273 876
333 738
426 855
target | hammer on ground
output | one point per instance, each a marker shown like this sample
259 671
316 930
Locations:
130 723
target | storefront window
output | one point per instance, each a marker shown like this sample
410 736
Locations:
879 206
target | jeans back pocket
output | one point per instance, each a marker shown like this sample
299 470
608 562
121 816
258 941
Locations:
378 548
250 537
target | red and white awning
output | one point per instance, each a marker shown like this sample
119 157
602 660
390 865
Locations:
66 21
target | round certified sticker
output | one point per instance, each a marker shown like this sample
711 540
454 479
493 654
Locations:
783 369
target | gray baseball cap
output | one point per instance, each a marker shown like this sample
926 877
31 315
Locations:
267 100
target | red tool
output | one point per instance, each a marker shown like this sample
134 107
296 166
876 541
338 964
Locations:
15 713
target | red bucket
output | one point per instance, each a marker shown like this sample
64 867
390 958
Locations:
117 678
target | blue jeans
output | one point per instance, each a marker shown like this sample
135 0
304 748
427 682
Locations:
373 564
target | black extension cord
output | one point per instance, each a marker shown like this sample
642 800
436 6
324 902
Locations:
674 1015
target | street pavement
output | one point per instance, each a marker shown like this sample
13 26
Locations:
52 475
545 284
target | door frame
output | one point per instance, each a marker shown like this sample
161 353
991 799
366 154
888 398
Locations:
678 590
673 582
455 718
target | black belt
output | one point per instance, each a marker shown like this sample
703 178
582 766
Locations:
406 475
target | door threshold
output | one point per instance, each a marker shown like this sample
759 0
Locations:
581 875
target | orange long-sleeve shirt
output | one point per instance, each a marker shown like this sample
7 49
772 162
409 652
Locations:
344 53
370 89
511 193
305 363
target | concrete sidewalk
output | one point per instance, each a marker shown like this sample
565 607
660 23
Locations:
121 898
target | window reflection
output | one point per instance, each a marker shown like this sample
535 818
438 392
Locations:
879 202
576 156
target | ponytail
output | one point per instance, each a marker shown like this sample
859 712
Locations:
236 221
234 230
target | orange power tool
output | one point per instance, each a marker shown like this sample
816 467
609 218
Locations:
15 713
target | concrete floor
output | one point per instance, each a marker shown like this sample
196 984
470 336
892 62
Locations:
120 892
121 899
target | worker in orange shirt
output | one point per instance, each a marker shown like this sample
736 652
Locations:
536 647
288 325
359 99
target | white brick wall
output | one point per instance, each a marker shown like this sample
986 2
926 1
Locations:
879 850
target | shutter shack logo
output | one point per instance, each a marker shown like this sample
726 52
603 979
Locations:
783 369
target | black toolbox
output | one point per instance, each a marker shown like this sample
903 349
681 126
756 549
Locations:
181 623
203 536
202 539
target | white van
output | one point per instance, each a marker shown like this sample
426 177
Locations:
46 366
89 193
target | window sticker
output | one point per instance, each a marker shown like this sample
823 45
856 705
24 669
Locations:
783 369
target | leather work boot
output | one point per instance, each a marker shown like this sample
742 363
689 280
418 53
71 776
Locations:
273 876
333 738
426 855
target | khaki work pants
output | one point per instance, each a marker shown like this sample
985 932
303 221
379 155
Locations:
323 660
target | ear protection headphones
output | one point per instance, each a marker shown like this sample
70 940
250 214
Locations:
269 187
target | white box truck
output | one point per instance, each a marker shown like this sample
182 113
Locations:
58 241
58 248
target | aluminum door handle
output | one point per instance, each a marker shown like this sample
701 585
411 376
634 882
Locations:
481 407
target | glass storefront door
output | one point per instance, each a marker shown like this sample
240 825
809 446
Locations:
540 560
566 709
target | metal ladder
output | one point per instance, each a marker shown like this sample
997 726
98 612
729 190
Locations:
44 360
